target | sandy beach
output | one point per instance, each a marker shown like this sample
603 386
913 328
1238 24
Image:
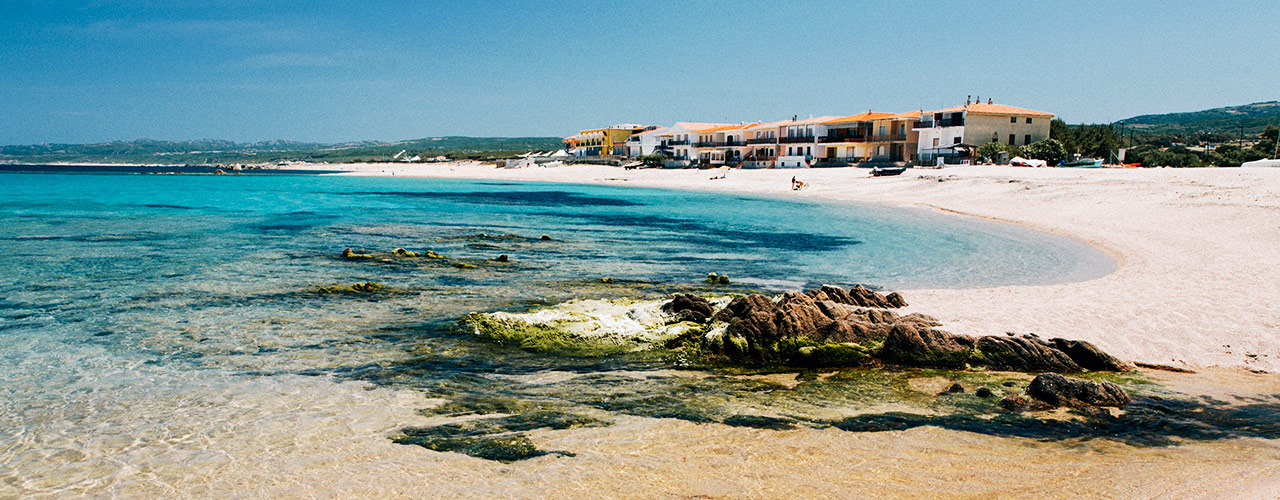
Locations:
1196 276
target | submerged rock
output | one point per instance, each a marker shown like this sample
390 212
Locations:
350 255
464 265
502 258
1058 390
400 252
366 287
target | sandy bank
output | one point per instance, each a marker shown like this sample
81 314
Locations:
1197 276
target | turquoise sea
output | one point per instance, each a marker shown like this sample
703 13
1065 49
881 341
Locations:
142 315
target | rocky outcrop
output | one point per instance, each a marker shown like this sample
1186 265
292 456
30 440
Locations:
1089 357
1025 354
926 347
858 296
689 307
1058 390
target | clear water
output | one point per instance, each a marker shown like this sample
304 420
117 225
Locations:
160 318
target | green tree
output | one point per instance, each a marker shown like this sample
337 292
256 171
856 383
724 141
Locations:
1049 150
1267 146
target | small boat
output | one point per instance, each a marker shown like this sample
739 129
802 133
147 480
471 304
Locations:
887 171
1083 163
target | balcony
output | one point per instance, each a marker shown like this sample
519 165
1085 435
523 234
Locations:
718 144
677 143
848 138
763 140
797 140
889 138
704 144
940 123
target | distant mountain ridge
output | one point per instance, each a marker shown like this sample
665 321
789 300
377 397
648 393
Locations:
1254 117
200 151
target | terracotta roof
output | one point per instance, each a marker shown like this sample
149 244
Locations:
860 117
993 109
910 115
729 127
697 127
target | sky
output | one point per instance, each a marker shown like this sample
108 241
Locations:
333 71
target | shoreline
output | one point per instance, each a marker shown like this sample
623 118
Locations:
1189 289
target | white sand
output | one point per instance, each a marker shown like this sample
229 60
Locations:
1198 280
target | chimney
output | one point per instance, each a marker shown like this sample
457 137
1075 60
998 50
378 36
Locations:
988 100
967 99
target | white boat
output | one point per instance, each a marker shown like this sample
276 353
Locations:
1261 163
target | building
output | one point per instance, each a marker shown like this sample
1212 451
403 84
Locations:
647 142
680 143
952 135
718 146
607 141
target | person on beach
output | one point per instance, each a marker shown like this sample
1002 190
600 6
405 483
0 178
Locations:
793 183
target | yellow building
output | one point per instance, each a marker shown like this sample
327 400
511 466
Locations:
607 141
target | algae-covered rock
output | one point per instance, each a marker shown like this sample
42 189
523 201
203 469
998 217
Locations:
723 280
1089 357
1024 353
1058 390
366 287
431 254
400 252
350 255
464 265
584 327
910 346
712 278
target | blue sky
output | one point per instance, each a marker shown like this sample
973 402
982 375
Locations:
332 71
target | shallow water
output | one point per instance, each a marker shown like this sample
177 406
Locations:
159 334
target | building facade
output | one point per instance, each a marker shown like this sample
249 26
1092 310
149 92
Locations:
950 135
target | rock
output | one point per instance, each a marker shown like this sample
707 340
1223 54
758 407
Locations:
400 252
502 258
545 238
858 296
431 254
866 298
606 279
1089 357
713 278
350 255
1009 383
1058 390
749 316
927 347
690 307
955 389
1013 402
464 265
366 287
724 279
1025 354
895 300
983 392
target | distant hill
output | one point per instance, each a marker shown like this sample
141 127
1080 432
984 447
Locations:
1254 117
202 151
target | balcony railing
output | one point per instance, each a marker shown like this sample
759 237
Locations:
797 140
704 144
718 144
677 143
763 140
940 123
850 138
889 138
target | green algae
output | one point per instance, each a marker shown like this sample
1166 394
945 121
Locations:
367 287
495 438
548 338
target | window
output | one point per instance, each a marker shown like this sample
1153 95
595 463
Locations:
955 140
1028 120
935 142
1026 139
995 137
1013 119
1012 139
881 130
